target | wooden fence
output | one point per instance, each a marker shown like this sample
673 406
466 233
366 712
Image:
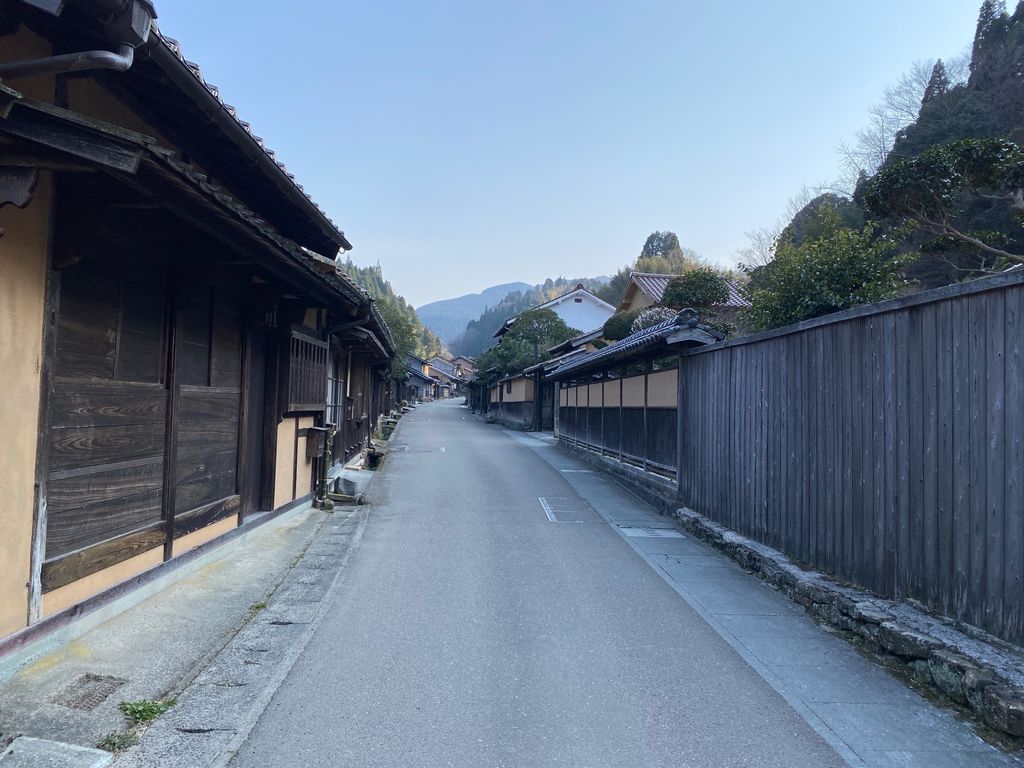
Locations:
632 419
882 445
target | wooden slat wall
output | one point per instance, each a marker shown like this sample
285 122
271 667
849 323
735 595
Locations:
611 418
107 417
885 449
209 405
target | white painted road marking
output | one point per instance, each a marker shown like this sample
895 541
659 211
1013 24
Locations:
443 449
547 509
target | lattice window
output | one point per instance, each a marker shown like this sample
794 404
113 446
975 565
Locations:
307 374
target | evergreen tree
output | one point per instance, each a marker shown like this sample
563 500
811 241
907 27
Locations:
991 19
937 86
663 245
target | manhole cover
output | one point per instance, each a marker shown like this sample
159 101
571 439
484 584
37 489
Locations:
652 533
89 691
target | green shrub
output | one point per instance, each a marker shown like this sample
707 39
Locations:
619 326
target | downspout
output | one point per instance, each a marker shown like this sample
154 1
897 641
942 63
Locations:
83 61
128 25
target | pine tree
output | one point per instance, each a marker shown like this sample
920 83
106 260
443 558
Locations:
991 19
938 84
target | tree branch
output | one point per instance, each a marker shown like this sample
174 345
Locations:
945 228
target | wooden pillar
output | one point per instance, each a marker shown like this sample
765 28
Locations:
622 392
647 380
680 429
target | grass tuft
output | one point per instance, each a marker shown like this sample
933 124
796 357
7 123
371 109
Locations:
118 742
146 711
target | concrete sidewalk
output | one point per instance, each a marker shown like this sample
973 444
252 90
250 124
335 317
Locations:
867 715
68 699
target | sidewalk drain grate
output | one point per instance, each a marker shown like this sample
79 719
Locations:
651 533
88 691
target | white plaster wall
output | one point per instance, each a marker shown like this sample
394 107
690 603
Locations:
585 317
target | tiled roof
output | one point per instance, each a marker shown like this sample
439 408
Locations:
175 47
187 180
654 285
638 342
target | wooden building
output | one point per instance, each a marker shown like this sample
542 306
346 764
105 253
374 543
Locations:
173 325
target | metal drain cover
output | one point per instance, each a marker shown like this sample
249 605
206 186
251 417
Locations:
88 691
561 509
652 533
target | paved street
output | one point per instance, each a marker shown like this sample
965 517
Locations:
478 625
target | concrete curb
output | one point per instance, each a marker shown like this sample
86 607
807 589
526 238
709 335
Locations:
215 715
27 752
979 672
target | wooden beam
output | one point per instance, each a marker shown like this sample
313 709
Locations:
77 565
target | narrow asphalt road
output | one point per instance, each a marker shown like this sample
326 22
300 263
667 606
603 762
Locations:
471 631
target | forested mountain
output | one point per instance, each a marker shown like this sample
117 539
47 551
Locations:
479 333
410 334
448 318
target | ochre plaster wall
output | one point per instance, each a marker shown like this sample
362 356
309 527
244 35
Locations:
612 394
24 253
284 467
64 597
662 389
25 44
304 480
203 535
633 392
87 96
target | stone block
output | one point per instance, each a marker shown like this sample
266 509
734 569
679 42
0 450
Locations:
869 613
976 681
1003 709
905 642
948 669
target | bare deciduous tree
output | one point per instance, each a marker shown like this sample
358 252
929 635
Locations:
900 106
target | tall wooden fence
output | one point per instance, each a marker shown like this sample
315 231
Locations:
883 445
632 419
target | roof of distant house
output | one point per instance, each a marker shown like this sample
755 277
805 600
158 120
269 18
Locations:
576 341
654 285
684 328
578 291
417 373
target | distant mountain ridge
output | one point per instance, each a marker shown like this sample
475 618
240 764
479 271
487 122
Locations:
448 318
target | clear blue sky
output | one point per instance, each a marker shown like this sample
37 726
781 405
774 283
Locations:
464 144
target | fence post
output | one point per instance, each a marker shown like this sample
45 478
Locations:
647 378
622 378
680 431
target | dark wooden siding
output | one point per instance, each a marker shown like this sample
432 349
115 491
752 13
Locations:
107 411
208 406
885 448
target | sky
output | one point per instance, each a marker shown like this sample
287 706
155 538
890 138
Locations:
467 143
